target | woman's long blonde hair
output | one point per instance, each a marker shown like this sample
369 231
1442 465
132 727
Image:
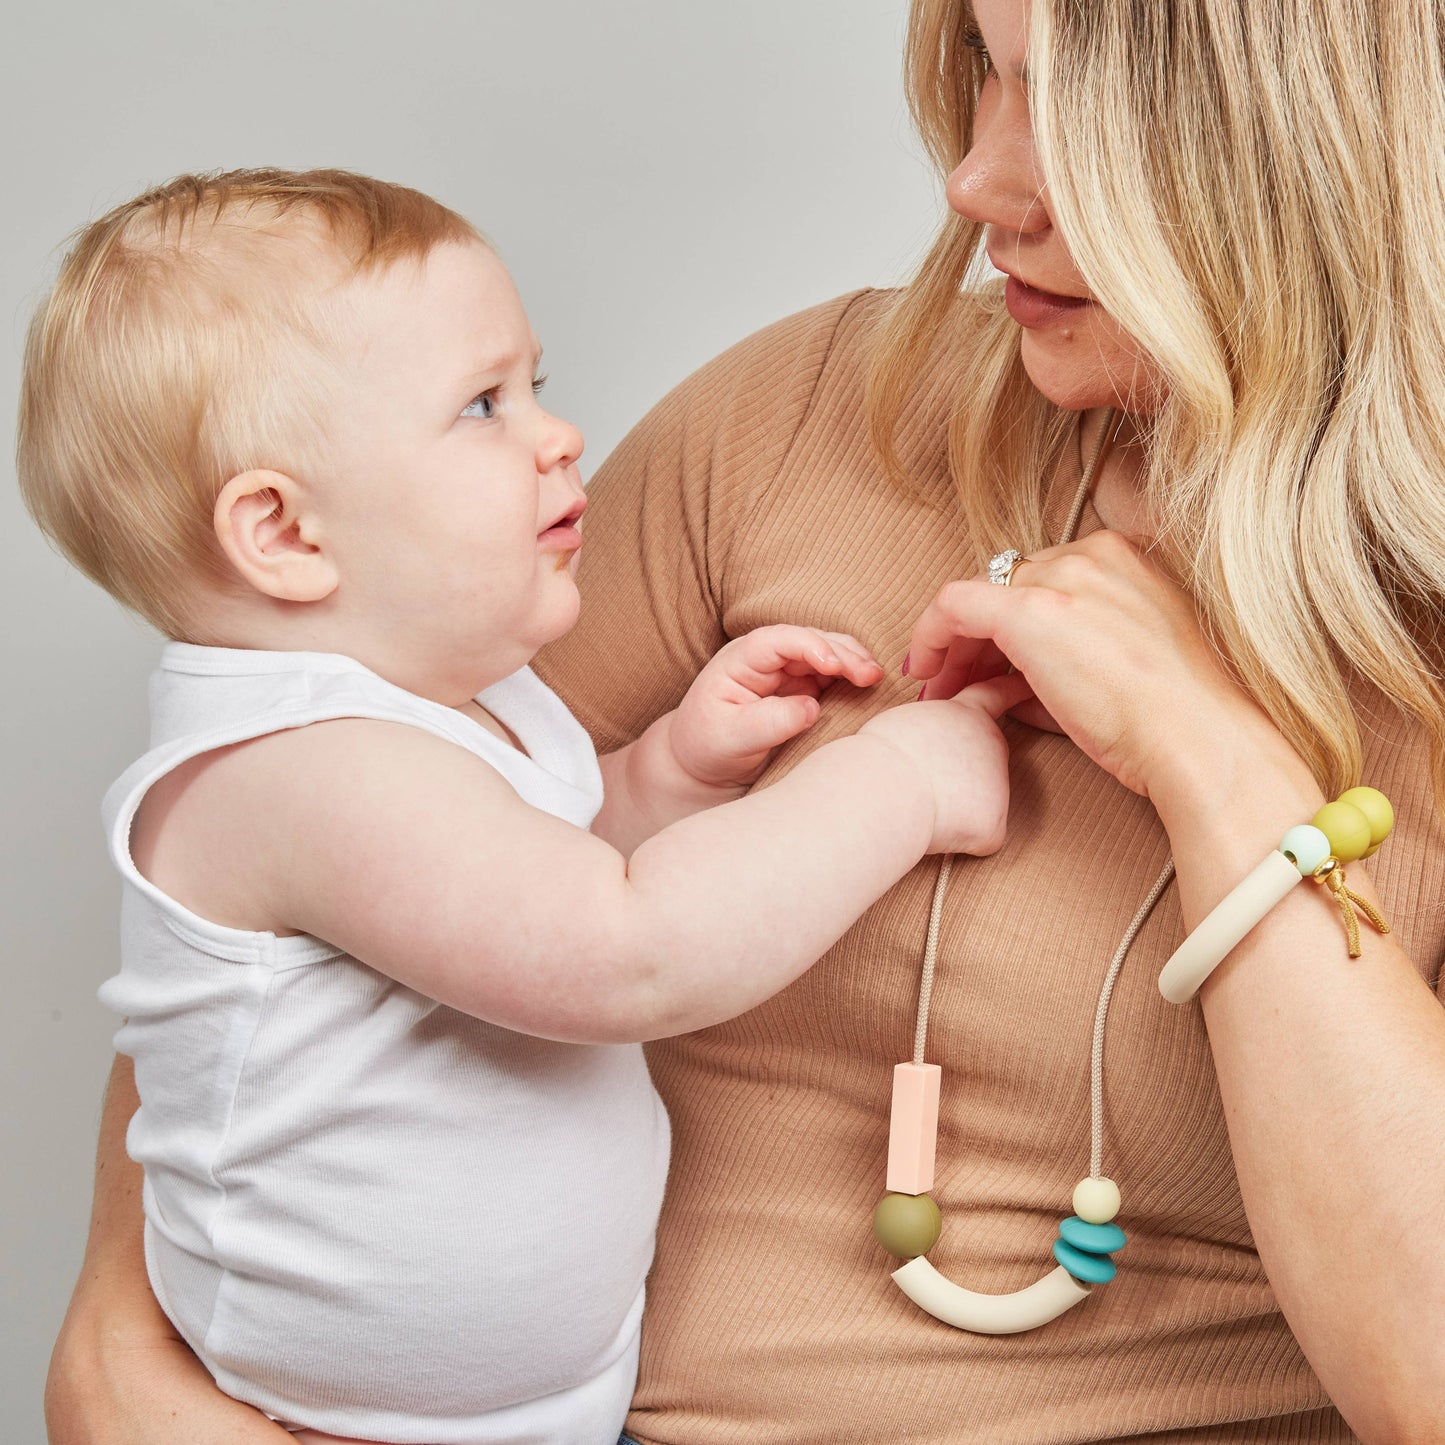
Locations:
1255 191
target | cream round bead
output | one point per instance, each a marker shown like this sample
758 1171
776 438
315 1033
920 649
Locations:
1306 847
1096 1201
1376 807
1346 827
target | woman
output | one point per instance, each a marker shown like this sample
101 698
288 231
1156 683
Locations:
1223 226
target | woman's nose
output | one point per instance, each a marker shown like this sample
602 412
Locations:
998 182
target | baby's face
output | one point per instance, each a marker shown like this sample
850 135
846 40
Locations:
449 497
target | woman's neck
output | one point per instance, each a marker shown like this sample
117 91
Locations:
1117 495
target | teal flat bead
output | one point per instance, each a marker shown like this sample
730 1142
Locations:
1092 1238
1091 1268
1307 846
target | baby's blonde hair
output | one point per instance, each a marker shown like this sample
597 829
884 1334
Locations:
185 341
1256 193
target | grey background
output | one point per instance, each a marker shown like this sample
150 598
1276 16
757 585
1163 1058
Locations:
663 177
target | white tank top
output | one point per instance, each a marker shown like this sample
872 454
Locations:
370 1214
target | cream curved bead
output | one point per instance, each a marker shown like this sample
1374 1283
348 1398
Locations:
990 1314
1096 1201
1230 919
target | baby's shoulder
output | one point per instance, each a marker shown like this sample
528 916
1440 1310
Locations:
219 829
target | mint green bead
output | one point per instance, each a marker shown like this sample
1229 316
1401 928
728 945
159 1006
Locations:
907 1225
1092 1238
1091 1268
1306 847
1376 807
1346 827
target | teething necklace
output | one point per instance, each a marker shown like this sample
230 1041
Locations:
907 1222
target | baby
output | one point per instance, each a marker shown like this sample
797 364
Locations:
391 936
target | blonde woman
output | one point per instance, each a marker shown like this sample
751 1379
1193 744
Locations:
1208 410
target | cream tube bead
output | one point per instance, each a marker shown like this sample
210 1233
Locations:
1235 914
989 1314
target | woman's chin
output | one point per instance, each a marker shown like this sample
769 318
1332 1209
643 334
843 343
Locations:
1076 374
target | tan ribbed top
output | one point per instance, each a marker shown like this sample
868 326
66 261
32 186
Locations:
751 496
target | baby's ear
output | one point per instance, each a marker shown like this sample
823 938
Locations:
273 538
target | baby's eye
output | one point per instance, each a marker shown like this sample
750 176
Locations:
538 382
483 406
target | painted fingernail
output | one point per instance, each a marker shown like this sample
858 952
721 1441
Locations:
906 656
921 691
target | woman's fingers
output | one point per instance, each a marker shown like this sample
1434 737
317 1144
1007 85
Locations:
1035 715
955 628
968 661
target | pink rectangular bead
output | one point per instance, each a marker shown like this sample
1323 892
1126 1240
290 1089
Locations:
913 1128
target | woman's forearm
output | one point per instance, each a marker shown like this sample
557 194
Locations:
120 1374
113 1271
1331 1072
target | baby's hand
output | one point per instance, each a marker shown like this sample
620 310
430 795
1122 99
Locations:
964 756
757 692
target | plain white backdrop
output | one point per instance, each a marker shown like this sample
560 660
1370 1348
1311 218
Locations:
662 176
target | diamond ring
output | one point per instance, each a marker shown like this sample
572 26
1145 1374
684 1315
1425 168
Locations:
1001 567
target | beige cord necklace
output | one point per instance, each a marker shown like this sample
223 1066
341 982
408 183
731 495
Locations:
907 1221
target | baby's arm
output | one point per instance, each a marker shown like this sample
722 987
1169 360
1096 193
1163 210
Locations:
755 694
421 861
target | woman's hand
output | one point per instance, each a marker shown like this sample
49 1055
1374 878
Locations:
1111 647
134 1381
119 1373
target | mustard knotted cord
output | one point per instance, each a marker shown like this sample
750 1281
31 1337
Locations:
1333 878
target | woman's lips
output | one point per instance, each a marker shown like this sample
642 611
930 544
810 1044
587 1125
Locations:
1033 308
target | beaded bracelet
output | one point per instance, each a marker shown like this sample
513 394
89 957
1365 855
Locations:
1351 827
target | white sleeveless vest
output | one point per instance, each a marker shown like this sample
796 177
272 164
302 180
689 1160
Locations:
370 1214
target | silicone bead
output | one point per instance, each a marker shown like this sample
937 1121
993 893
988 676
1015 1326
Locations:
1379 814
990 1314
1306 847
1347 828
1223 927
907 1225
1092 1238
913 1128
1091 1268
1096 1201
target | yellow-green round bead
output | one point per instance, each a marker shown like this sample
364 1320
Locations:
1347 828
1377 810
907 1224
1096 1201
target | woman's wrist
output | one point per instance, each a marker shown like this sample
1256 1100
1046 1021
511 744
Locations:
1226 794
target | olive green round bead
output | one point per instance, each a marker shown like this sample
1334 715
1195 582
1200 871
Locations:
907 1224
1346 827
1377 810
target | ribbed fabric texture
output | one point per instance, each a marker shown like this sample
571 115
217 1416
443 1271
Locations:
751 495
